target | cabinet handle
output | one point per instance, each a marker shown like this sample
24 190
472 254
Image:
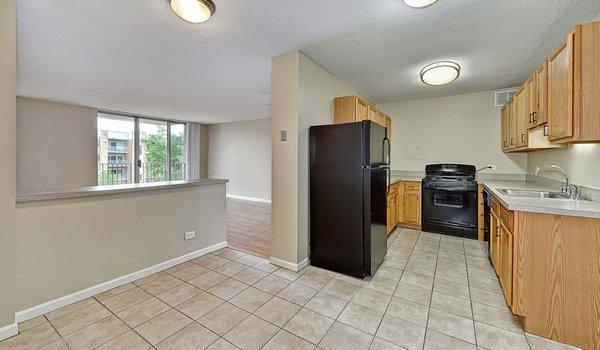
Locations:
533 116
530 117
546 128
522 137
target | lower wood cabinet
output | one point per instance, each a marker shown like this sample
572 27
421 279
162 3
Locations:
549 268
392 208
495 240
501 247
412 203
404 205
505 254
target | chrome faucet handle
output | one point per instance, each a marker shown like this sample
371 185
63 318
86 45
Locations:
572 191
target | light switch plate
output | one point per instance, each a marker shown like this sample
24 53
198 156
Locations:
283 135
189 235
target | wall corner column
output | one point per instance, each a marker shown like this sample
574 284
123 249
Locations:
8 65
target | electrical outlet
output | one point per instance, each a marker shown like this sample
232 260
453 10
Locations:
189 235
492 167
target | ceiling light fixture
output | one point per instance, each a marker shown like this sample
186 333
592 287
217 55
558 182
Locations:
419 3
193 11
440 73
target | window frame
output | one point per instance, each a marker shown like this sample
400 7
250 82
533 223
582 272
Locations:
136 139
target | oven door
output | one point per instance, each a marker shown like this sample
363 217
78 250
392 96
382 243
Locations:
450 207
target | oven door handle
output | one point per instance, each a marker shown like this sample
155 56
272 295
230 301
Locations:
451 189
447 205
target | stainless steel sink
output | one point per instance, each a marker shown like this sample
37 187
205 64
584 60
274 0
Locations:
531 193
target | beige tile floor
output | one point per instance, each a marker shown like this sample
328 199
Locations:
433 292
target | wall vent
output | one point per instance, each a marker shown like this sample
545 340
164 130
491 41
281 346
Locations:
502 97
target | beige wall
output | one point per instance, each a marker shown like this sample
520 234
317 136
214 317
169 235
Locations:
317 89
284 107
581 161
7 160
56 145
241 152
65 246
453 129
302 95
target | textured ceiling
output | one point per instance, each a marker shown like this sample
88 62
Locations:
137 56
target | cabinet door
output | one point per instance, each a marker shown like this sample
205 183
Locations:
412 203
532 104
495 241
542 95
560 91
506 263
521 118
389 214
393 211
400 205
362 110
504 128
511 127
373 115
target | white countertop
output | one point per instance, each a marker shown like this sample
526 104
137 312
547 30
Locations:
114 189
557 206
396 178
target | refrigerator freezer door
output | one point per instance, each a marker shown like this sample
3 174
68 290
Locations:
378 144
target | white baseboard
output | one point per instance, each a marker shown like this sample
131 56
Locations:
9 331
288 265
251 199
52 305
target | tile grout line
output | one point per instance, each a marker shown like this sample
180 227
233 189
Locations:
437 256
470 294
396 288
170 308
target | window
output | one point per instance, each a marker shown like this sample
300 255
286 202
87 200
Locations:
137 149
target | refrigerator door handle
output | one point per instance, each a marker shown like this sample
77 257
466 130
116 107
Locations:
387 150
388 176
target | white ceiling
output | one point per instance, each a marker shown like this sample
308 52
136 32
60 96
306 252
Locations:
137 56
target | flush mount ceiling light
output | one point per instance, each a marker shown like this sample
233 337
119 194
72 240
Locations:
440 73
419 3
193 11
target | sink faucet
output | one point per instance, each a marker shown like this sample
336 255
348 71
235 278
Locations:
568 189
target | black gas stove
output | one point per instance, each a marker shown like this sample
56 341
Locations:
450 200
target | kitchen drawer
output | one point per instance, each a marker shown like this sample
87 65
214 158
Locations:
412 186
507 218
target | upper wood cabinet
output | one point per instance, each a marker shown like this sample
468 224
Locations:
574 87
540 116
504 127
511 126
532 101
558 104
350 109
521 117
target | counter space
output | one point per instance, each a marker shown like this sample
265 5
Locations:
396 178
540 205
92 191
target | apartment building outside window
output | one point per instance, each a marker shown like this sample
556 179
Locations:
136 149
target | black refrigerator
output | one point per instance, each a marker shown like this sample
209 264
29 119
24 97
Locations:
349 184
